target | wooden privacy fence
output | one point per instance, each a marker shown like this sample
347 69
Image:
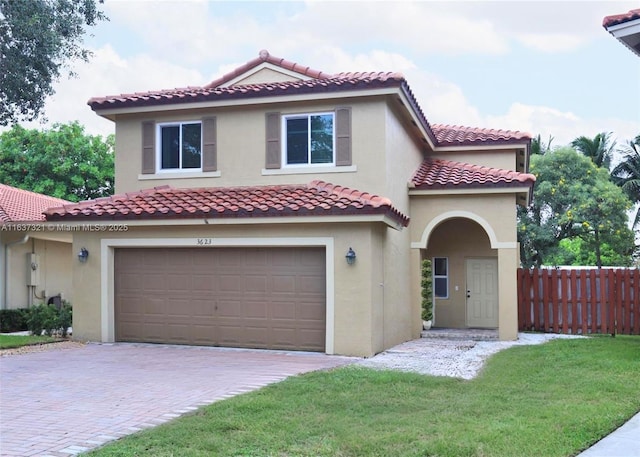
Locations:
579 301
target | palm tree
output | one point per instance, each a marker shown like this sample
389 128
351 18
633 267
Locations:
599 148
540 148
627 174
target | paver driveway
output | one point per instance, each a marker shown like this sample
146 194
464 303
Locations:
63 402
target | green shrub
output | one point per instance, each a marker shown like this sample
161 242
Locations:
13 320
426 285
50 320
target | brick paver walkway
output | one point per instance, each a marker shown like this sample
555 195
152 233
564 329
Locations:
64 402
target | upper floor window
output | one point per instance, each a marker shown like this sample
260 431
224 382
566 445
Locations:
306 142
308 139
180 146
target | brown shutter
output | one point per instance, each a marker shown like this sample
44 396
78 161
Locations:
343 137
209 146
274 153
148 147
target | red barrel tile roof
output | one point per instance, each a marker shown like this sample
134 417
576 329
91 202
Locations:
320 82
317 198
337 83
458 135
446 174
616 19
17 205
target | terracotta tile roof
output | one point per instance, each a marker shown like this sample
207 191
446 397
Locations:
457 135
446 174
320 82
616 19
17 205
317 198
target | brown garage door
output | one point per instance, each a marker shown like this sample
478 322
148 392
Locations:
272 298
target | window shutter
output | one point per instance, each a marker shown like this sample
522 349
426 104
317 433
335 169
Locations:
148 147
343 137
274 153
209 146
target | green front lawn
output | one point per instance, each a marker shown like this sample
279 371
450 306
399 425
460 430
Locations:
16 341
554 399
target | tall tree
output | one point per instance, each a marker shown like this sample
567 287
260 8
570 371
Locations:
627 175
63 162
599 148
38 40
539 147
572 199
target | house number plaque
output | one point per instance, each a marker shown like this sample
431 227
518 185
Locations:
204 241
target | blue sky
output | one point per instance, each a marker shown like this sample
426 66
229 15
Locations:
548 68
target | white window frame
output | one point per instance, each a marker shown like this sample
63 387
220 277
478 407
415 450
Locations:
284 119
159 127
445 277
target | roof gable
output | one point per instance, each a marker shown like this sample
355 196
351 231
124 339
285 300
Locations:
18 205
248 73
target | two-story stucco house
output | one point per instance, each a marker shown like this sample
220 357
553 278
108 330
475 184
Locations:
238 203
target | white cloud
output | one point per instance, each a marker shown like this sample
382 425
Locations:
551 42
564 127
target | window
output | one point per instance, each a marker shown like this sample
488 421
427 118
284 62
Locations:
180 146
308 139
441 277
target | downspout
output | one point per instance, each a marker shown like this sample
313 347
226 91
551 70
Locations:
6 268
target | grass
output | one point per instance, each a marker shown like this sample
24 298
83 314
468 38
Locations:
549 400
16 341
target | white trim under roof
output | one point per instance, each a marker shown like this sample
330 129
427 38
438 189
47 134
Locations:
627 33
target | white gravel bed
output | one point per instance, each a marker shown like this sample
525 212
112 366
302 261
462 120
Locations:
454 358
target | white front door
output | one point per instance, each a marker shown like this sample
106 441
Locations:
482 293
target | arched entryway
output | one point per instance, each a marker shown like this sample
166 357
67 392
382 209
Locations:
465 269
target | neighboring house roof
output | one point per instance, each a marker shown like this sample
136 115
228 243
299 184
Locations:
626 28
616 19
446 174
310 81
317 198
17 205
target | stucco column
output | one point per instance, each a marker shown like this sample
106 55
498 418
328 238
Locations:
507 294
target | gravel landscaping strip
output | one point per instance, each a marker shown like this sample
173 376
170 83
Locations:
454 358
41 348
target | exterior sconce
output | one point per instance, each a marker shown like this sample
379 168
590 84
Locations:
83 255
351 256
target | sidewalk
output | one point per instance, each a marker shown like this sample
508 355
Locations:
623 442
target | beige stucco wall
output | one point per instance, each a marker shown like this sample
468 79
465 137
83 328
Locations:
241 147
54 269
358 297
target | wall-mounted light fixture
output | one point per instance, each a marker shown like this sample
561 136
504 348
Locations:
351 256
83 255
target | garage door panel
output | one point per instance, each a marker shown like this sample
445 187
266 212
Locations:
178 282
228 309
283 310
309 312
255 283
255 310
244 297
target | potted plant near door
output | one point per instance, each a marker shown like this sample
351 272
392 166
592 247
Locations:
426 284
